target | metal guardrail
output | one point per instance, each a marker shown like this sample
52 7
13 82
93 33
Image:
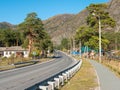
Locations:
112 56
57 80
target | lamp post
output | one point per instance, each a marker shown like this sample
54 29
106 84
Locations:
99 36
99 40
80 49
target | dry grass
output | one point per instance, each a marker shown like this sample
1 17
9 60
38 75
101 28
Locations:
6 63
84 79
9 61
113 65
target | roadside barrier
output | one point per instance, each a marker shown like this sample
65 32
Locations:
58 80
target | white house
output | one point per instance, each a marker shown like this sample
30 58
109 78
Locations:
16 50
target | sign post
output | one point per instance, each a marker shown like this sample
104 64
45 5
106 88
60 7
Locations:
34 54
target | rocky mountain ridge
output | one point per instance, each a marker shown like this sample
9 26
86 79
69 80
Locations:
72 22
65 25
114 10
6 25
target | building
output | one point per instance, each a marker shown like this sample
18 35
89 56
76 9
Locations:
14 50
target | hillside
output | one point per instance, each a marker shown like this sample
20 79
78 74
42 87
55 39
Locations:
6 25
114 10
65 25
62 26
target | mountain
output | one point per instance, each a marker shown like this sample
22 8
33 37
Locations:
65 25
62 26
6 25
114 10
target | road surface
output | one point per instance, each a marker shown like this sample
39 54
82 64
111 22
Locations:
22 78
108 80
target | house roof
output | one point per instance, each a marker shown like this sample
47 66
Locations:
13 48
2 48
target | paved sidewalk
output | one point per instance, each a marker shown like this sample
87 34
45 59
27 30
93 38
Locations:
107 79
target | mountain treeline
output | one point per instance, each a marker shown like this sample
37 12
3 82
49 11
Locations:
88 34
29 34
65 25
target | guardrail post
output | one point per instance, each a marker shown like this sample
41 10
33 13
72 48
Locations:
65 76
52 84
62 79
57 82
68 74
73 70
45 87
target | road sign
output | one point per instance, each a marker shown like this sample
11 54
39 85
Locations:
34 53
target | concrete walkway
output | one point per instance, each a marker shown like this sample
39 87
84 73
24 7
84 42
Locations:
107 79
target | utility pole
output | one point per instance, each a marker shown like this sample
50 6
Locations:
73 44
99 39
71 48
87 52
100 48
116 38
80 49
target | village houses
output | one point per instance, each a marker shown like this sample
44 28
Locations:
14 50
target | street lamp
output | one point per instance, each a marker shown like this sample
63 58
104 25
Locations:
99 35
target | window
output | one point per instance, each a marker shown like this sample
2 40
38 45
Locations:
10 53
6 53
25 52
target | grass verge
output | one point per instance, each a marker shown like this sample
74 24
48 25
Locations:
113 65
84 79
5 66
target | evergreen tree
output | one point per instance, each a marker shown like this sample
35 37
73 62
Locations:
89 34
32 29
10 37
65 43
33 33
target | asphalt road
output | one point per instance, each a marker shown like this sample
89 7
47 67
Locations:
107 79
22 78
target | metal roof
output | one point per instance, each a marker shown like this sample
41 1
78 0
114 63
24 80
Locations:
13 48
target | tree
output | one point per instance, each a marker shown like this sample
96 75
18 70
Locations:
89 34
32 29
89 38
111 37
44 44
34 35
64 43
83 33
10 37
101 11
17 38
1 38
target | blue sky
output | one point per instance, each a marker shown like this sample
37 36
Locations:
15 11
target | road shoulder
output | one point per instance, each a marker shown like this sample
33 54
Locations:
84 79
108 80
